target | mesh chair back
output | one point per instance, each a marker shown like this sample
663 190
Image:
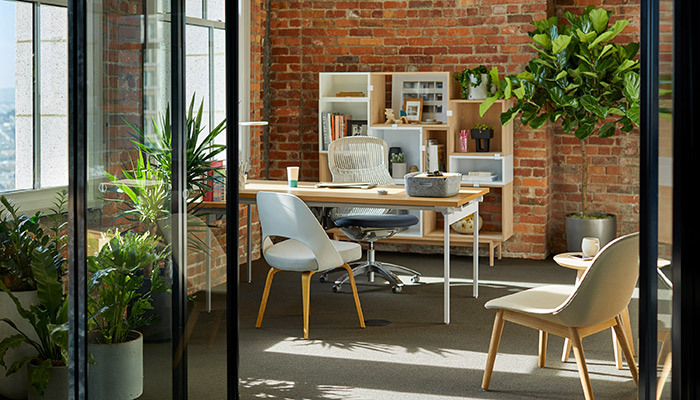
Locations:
359 159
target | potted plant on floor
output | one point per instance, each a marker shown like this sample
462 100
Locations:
585 81
20 235
47 333
475 83
119 307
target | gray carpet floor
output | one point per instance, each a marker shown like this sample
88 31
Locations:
414 356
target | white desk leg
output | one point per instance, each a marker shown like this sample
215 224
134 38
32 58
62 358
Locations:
446 272
475 272
249 243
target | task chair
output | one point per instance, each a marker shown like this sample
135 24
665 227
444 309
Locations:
366 159
307 250
592 305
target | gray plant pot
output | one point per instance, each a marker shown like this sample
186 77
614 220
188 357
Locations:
605 229
57 389
15 386
118 370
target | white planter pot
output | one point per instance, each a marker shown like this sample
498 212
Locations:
15 386
118 371
398 170
57 388
480 92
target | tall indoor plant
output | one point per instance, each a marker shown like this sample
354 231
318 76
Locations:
118 307
20 236
581 78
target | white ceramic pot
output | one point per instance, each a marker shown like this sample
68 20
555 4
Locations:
118 370
398 170
57 388
15 386
480 92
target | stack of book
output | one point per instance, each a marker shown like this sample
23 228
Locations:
218 183
333 126
435 156
479 176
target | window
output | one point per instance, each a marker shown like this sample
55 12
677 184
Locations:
33 96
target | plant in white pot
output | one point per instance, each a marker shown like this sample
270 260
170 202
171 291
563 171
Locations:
585 81
476 83
47 333
20 235
118 307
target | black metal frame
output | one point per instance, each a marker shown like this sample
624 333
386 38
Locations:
232 204
649 198
77 199
686 147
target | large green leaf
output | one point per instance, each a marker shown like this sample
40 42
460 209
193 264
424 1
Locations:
584 130
632 87
543 40
49 288
599 19
10 342
585 37
634 113
486 104
560 43
607 130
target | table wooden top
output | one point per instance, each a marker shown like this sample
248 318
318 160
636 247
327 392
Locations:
396 195
570 260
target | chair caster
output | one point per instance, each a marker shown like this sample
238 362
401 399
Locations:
415 279
323 278
396 289
336 288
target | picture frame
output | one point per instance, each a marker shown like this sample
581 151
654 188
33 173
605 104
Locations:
357 127
413 108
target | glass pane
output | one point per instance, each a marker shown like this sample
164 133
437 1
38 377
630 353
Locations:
216 10
54 96
665 290
16 97
193 8
219 78
197 69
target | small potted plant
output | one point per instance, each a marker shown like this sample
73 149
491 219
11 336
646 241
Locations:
482 135
398 166
47 333
475 83
20 235
118 308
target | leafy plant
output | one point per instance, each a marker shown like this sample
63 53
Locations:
397 158
117 304
579 77
20 235
48 320
483 127
464 79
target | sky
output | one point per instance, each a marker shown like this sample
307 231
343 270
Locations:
7 44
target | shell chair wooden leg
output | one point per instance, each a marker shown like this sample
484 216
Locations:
594 304
306 250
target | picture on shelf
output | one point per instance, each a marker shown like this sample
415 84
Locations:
357 127
413 109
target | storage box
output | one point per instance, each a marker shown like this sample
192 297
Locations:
421 184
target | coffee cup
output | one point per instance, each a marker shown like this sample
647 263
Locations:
590 246
292 176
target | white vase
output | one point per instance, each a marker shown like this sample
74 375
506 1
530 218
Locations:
480 92
15 385
118 370
398 170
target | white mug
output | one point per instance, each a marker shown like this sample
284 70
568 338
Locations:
292 176
590 246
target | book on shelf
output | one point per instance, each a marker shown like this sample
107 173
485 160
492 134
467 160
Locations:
218 183
333 126
435 156
325 130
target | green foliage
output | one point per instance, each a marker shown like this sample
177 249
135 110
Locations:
483 127
397 158
48 319
579 78
116 302
20 235
465 82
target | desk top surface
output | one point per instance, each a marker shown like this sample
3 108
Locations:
396 195
573 261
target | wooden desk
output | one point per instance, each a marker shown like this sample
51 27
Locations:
454 208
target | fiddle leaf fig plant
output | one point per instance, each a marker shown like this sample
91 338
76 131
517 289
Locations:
580 78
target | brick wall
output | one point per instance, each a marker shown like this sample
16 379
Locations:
309 37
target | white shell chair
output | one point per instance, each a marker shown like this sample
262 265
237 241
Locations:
573 312
366 159
307 250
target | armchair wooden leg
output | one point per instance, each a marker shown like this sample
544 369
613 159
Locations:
543 349
493 349
622 337
666 359
266 293
306 297
566 351
581 363
354 294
